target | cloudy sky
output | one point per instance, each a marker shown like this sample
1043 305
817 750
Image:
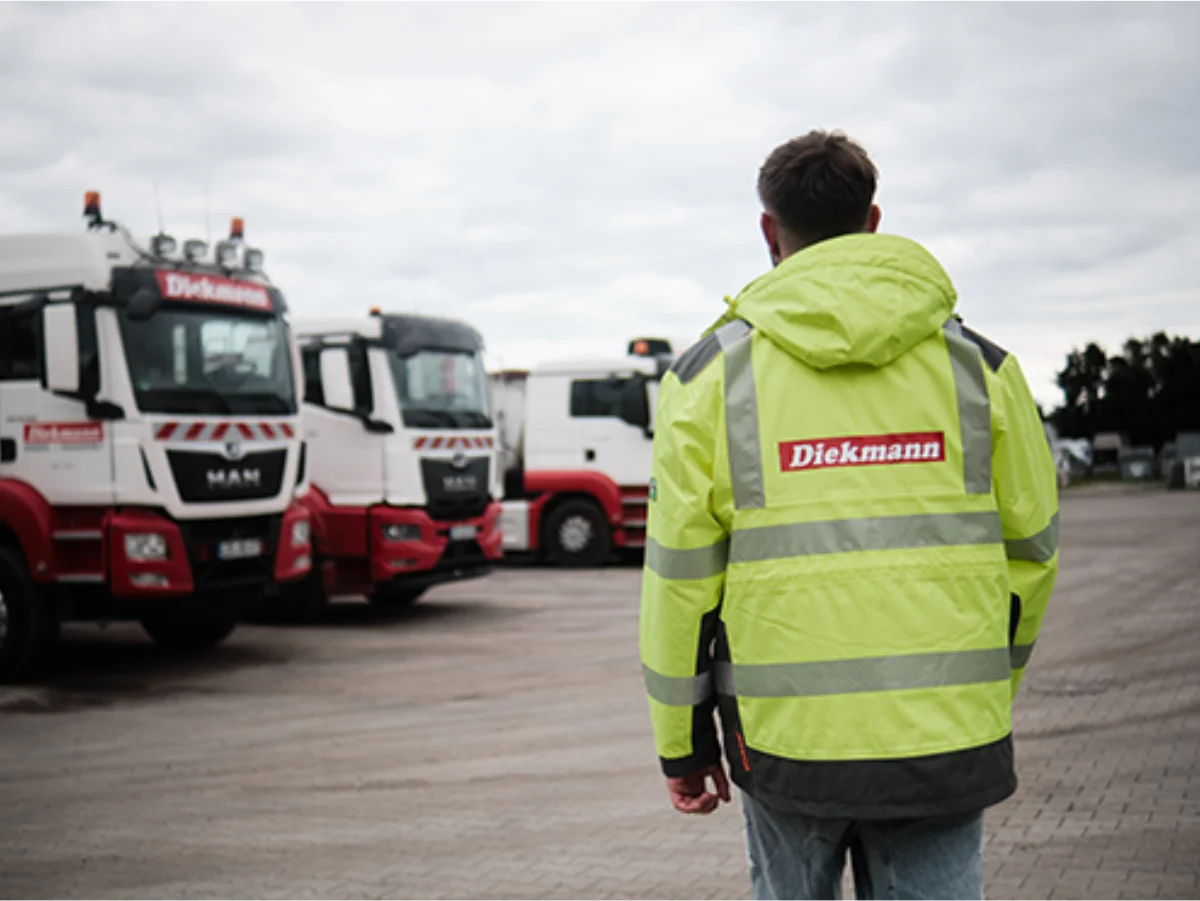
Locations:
568 176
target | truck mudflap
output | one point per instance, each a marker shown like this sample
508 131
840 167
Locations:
405 542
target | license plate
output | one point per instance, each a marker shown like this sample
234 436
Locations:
239 548
461 533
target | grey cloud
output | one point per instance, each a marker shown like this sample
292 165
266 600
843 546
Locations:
569 175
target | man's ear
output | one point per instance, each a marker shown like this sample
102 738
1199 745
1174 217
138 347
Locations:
770 230
873 218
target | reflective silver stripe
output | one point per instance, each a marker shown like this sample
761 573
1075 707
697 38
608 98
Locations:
1019 655
693 563
974 412
1038 549
840 677
677 691
741 417
843 536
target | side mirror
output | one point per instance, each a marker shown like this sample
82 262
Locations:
61 337
142 305
634 406
335 379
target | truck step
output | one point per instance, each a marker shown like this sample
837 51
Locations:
78 535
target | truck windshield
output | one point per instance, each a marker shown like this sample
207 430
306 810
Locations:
198 361
439 389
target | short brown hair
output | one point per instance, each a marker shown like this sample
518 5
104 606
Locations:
818 186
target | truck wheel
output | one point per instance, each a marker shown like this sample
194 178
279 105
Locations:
28 627
183 633
577 535
394 597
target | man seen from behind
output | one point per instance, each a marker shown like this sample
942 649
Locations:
853 538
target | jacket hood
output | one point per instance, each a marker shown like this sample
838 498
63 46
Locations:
857 299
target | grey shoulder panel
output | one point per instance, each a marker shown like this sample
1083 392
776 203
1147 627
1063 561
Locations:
696 358
993 354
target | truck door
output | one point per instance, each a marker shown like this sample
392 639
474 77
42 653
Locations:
607 443
46 437
345 460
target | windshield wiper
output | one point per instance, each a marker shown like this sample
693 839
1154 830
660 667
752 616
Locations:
477 419
178 396
431 417
272 401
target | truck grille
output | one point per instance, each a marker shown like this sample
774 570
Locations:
201 537
205 478
453 492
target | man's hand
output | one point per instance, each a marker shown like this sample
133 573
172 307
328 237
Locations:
690 793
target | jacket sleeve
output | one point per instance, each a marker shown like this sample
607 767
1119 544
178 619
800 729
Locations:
684 577
1026 486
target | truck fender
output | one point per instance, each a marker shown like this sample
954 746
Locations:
545 486
28 515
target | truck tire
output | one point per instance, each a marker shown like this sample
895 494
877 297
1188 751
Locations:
394 597
577 535
188 633
28 626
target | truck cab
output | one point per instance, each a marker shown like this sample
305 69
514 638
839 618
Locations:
402 458
576 441
149 437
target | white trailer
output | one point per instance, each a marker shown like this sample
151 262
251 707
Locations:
149 446
405 485
576 440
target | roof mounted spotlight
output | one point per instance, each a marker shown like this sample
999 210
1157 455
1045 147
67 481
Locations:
162 245
648 347
195 250
227 254
237 229
252 258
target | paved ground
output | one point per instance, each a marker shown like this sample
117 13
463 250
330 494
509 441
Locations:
494 742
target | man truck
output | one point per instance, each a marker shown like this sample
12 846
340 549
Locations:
149 443
576 440
405 489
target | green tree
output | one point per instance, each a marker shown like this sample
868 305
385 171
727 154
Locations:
1150 392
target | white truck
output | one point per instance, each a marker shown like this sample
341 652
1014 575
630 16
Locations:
149 443
404 489
576 440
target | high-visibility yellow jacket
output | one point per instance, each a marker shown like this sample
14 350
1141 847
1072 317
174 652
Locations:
853 537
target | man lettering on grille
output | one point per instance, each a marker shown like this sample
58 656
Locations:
853 539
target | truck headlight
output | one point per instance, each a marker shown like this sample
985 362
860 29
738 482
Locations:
142 547
401 532
300 533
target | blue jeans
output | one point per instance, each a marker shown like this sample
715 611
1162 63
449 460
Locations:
793 856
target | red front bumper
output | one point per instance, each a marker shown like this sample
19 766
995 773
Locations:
421 543
172 576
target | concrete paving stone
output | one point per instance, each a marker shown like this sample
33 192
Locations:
493 741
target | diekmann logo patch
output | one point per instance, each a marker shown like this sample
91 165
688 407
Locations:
862 450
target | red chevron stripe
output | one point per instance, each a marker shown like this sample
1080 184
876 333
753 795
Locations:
194 431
